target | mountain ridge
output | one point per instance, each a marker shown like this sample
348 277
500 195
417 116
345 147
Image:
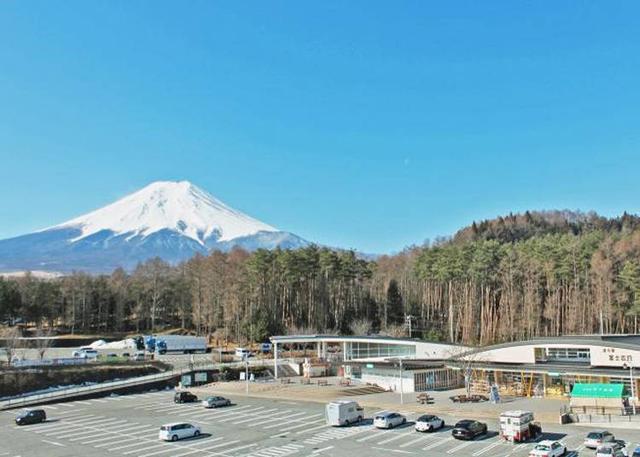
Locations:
173 220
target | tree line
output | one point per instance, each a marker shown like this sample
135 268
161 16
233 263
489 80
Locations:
511 278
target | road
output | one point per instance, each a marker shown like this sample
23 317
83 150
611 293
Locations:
127 426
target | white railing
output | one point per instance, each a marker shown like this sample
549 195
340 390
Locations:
115 385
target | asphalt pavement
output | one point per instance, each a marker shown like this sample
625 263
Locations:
127 426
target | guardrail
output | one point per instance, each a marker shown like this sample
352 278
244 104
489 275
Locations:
116 385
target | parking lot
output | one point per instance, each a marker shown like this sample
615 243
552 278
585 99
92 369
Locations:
128 426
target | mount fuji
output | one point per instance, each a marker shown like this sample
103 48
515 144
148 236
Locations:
166 219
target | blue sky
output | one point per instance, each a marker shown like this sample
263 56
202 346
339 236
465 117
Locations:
371 125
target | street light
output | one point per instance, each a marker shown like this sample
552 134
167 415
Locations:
246 373
401 386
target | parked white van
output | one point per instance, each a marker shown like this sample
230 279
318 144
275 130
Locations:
178 431
85 353
243 353
343 412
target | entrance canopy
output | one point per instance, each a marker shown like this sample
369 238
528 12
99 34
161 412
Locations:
597 396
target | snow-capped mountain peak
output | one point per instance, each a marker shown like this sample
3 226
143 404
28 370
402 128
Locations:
170 220
178 206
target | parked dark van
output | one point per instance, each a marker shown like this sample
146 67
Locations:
31 416
184 397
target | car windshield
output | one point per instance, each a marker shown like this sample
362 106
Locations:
24 414
164 428
605 450
594 436
425 418
380 418
542 447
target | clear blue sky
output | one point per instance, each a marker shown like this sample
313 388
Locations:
362 124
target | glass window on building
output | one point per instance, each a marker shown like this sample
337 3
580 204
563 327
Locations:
366 350
578 355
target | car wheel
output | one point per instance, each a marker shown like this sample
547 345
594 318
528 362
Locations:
442 424
391 425
404 421
174 438
196 433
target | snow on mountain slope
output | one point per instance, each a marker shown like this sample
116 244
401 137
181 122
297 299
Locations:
177 206
170 220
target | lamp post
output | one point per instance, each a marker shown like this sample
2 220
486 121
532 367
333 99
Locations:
633 391
401 386
246 373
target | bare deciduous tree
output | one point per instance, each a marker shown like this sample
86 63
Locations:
12 336
43 341
361 327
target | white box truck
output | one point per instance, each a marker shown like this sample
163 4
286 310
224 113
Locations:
180 343
343 412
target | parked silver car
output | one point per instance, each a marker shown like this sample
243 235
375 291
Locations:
215 402
388 419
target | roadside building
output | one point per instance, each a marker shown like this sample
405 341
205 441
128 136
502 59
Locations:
541 367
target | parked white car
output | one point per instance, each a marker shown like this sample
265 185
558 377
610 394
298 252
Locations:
548 448
428 423
597 438
388 419
215 402
178 431
613 449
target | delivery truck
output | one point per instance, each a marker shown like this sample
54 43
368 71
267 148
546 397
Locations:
184 344
343 412
519 426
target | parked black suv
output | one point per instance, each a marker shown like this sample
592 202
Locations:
184 397
468 429
31 416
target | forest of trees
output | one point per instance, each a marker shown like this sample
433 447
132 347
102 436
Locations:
510 278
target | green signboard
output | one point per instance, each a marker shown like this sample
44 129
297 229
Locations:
597 390
369 365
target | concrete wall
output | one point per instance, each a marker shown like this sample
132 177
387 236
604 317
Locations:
389 382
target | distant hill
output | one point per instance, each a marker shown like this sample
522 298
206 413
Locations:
522 226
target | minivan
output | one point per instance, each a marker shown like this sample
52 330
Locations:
178 431
388 419
31 416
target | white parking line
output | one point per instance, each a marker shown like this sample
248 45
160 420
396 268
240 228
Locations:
459 447
54 443
218 412
487 448
111 431
253 419
398 436
298 419
128 429
73 431
438 443
293 427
